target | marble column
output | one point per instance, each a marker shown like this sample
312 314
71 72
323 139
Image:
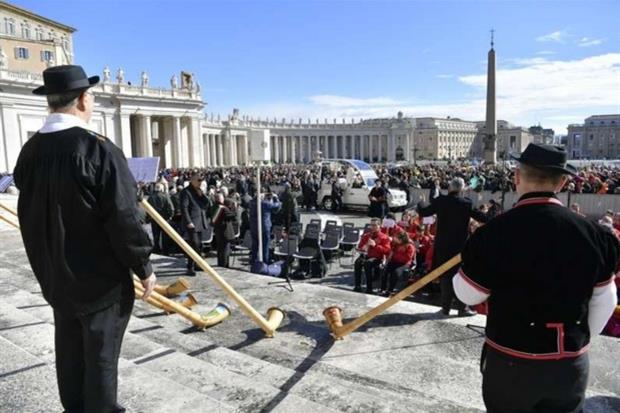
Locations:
177 157
213 149
208 156
370 148
408 147
293 157
125 135
220 149
147 136
391 148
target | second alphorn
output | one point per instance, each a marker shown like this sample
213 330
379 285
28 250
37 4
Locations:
274 314
333 314
215 316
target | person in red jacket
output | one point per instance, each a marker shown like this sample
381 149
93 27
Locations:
389 227
374 246
399 261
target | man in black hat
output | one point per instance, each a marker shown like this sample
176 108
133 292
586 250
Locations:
547 274
79 222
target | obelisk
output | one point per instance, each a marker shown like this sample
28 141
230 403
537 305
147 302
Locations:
490 136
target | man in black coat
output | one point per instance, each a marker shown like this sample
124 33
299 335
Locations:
195 207
453 214
79 221
224 217
160 201
548 277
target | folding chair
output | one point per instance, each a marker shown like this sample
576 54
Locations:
287 249
207 238
309 248
350 240
331 243
348 225
244 247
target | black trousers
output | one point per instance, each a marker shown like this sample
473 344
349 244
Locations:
370 266
223 249
194 239
514 385
447 292
393 271
158 241
87 351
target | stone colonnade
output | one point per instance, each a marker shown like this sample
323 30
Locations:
293 148
179 142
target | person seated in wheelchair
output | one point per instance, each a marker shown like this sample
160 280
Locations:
399 262
374 246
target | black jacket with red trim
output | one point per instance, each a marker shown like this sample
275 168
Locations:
539 262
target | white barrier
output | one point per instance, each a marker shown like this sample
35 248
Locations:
590 204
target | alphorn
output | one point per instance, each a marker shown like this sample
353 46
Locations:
9 209
215 316
174 289
274 314
333 314
8 221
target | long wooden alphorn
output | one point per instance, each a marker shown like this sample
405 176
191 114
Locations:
219 313
333 314
274 314
9 209
8 221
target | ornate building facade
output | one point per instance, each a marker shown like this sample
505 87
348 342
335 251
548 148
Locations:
597 138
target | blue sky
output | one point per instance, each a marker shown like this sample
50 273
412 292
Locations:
558 61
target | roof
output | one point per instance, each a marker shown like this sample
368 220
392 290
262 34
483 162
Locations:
16 9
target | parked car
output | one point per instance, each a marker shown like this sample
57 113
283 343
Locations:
355 196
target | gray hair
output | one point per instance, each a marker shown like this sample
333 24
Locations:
456 185
159 187
65 100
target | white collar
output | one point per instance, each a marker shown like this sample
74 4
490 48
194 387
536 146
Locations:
60 121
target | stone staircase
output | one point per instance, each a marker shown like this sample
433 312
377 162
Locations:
404 361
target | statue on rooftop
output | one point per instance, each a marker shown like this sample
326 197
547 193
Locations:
145 79
106 74
120 75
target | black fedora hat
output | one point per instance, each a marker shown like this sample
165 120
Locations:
61 79
549 157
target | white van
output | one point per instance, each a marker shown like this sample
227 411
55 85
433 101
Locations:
355 195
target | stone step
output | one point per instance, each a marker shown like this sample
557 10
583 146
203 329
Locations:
27 384
225 374
32 346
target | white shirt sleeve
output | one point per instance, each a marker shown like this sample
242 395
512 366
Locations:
467 291
601 306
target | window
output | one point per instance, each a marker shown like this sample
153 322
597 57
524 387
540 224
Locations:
47 56
21 53
39 33
9 26
591 136
25 30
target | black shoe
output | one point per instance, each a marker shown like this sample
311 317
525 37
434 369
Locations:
443 312
190 272
357 289
466 313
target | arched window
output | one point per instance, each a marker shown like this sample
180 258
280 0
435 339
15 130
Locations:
9 26
39 33
25 30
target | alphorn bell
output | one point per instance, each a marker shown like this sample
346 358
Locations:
333 314
274 314
215 316
174 289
